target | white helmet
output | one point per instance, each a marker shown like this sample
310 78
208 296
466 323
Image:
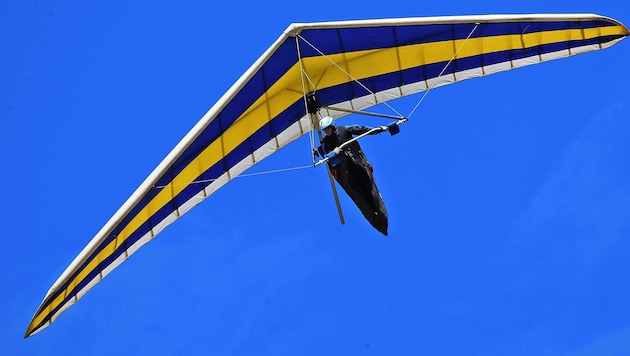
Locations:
326 122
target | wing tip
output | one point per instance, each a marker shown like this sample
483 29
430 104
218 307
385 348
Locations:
30 330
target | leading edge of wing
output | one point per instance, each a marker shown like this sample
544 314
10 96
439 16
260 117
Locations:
295 28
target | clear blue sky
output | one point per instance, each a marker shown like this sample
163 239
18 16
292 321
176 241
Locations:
508 195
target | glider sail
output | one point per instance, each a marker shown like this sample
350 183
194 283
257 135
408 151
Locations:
350 64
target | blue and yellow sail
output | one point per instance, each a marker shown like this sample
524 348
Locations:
349 64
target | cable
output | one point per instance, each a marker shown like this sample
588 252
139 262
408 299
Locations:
350 76
443 70
238 176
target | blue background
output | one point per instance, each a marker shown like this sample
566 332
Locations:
508 195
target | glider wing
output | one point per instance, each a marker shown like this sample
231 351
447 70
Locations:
350 64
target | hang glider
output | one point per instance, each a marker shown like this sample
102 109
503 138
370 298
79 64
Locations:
350 65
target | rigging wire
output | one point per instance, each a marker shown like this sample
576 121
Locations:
201 181
366 88
303 76
349 75
443 70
